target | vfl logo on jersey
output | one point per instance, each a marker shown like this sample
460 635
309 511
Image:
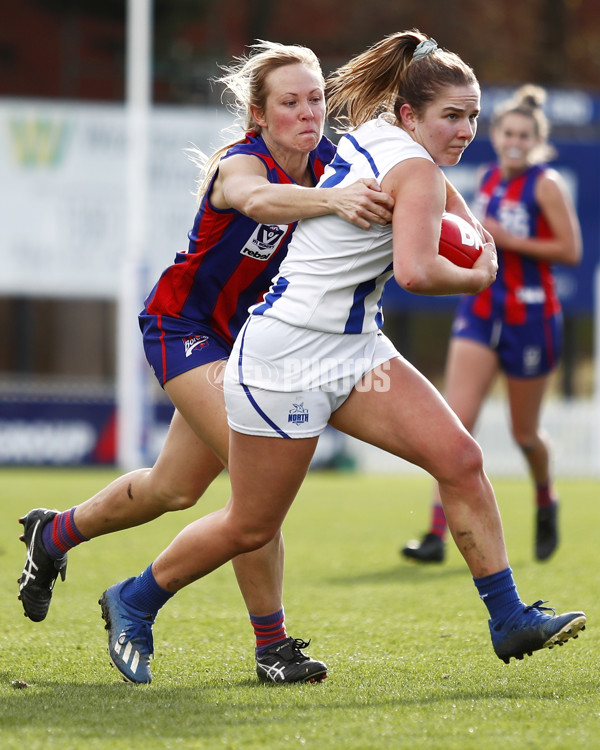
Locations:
514 218
264 241
194 341
298 414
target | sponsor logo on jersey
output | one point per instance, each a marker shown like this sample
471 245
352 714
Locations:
531 295
193 342
298 414
264 241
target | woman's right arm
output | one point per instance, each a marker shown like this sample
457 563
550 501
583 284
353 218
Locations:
419 190
242 184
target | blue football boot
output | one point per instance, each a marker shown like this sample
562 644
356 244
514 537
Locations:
130 643
533 629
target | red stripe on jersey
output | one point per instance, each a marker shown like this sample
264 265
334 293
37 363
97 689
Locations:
515 309
491 183
552 304
515 312
482 303
499 199
174 286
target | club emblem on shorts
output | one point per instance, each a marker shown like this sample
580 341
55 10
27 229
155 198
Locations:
459 324
193 342
532 357
298 414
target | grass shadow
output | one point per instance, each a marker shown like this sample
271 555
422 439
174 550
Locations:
407 573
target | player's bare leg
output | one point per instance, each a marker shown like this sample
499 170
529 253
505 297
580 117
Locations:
252 516
194 453
525 398
259 571
250 521
183 471
411 420
200 396
471 369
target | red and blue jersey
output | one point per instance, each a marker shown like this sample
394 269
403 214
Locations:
231 259
524 290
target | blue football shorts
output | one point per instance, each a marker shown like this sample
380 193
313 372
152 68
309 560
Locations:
284 381
175 345
528 350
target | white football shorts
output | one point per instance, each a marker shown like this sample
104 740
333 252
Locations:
284 381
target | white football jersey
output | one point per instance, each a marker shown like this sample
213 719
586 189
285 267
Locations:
333 275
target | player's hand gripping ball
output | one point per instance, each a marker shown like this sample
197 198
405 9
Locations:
459 242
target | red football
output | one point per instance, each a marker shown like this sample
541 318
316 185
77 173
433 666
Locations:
459 242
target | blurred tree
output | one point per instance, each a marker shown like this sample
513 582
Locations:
75 48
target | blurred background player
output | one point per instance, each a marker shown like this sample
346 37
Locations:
515 326
253 192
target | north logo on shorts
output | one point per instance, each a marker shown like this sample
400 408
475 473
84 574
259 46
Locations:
192 342
264 241
298 414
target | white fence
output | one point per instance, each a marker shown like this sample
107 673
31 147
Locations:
572 426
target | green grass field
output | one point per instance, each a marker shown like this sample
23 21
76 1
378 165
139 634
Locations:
409 654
